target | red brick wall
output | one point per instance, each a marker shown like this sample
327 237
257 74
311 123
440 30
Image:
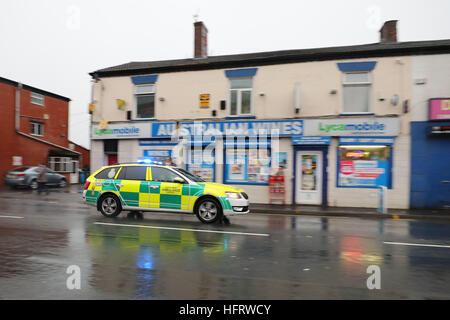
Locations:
85 154
13 144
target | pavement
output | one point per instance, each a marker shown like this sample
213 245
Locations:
355 212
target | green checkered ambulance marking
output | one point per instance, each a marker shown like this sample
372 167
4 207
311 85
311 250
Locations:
150 194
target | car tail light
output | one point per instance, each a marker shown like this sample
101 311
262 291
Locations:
20 175
86 185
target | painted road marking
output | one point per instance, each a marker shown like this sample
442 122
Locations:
182 229
417 244
12 217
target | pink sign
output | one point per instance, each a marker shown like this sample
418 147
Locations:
440 109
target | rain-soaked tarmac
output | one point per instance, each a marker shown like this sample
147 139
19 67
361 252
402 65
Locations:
174 256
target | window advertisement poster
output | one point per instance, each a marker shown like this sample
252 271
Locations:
364 166
309 172
201 163
258 165
236 165
247 166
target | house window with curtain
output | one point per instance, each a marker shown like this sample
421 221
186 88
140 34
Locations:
356 92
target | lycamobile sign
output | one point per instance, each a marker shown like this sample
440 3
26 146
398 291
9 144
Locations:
353 127
121 131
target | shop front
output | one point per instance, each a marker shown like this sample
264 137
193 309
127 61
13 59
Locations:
430 157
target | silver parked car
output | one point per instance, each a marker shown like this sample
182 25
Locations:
27 177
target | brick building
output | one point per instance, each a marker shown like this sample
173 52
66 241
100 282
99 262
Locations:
34 129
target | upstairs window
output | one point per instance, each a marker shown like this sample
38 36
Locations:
241 96
356 88
37 98
36 129
145 101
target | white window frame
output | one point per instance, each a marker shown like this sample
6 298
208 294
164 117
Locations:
37 99
239 99
144 94
65 164
356 84
39 126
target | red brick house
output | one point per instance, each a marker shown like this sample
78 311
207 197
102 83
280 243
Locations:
34 129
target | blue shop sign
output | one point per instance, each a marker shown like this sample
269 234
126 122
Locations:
284 128
162 129
388 141
305 140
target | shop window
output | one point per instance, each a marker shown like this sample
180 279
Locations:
145 101
364 166
247 166
201 163
36 129
241 96
356 92
37 99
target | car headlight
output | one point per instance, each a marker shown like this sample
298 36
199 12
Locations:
233 195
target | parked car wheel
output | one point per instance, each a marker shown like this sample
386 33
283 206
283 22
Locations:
34 184
208 210
110 206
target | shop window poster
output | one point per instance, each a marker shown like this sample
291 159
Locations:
309 172
366 167
202 165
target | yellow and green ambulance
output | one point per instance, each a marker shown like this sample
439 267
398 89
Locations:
144 187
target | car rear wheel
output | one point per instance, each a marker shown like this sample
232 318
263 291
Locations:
208 210
110 206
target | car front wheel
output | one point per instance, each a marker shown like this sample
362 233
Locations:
208 210
62 183
110 206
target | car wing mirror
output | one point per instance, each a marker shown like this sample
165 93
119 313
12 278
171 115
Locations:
178 180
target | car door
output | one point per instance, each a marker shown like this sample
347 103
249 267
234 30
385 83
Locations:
132 185
165 193
52 177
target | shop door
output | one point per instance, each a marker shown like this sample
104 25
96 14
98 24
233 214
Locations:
112 159
308 189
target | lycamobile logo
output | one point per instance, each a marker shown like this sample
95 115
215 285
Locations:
376 126
123 131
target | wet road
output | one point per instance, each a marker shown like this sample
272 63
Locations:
174 256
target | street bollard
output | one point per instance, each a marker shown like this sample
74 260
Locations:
382 199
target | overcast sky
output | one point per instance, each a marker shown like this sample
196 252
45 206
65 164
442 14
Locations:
53 44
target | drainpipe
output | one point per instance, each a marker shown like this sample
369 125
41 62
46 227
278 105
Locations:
18 90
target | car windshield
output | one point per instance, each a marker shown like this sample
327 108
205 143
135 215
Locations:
21 169
191 176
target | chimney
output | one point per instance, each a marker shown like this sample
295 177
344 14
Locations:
200 40
388 32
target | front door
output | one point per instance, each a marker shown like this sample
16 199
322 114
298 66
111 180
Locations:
165 193
308 189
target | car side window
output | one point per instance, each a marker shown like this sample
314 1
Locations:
107 173
135 173
160 174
